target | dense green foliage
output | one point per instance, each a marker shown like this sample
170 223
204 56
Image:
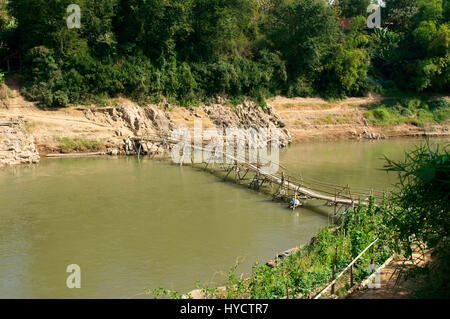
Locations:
353 8
420 217
413 52
191 50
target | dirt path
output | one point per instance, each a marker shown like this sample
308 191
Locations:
393 283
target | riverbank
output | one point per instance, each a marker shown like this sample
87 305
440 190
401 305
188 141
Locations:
82 129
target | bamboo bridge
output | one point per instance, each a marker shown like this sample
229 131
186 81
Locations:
288 186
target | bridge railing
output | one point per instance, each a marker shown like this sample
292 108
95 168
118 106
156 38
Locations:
331 190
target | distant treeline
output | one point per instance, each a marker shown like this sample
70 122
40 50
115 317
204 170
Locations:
191 50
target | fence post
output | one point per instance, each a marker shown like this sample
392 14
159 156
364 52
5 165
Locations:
334 276
351 276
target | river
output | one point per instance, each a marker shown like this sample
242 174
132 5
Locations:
133 224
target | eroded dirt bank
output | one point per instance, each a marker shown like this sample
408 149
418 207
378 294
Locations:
108 129
313 119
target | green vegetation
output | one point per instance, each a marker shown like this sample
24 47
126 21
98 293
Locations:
187 51
335 120
413 52
408 110
29 126
420 217
77 144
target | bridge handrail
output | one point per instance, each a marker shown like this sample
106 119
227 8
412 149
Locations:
354 194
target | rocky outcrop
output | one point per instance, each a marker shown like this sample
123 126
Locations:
131 120
246 116
16 145
135 119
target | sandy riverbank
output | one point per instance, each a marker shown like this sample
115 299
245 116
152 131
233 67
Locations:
105 129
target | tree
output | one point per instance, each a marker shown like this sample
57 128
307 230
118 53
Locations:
345 68
396 16
353 8
221 28
303 31
152 27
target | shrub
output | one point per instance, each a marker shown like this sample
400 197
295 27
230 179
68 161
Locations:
420 216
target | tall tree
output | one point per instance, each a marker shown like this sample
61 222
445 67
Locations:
353 8
303 31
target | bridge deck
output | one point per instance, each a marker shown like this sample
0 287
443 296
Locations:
309 188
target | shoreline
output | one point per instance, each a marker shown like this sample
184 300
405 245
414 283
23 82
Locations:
78 130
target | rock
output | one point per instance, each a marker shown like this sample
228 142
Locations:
17 146
144 148
128 146
281 124
112 152
288 135
89 115
160 120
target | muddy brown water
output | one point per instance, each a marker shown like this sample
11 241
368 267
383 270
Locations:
133 224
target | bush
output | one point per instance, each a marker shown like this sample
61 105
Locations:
300 88
420 216
408 110
381 114
77 144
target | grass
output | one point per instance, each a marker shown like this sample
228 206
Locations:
334 120
77 144
29 126
412 110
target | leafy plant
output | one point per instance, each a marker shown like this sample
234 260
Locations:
420 216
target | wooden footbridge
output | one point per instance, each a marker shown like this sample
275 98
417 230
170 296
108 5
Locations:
288 186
